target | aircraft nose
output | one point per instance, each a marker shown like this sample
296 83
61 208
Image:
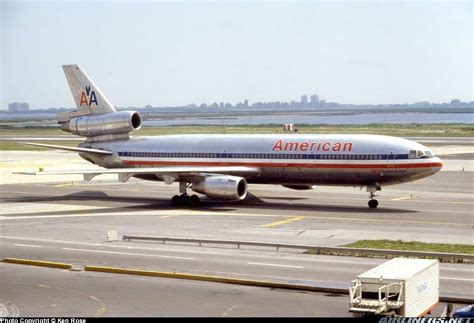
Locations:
437 165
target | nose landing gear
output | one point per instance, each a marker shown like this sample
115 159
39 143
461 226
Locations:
373 203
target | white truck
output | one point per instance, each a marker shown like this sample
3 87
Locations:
398 287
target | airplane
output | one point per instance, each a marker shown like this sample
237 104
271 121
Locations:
220 166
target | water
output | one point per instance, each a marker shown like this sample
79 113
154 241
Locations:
30 116
359 119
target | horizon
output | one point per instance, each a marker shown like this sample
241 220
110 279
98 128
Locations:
210 105
175 54
414 105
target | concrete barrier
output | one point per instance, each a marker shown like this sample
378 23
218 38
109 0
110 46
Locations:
315 287
39 263
310 286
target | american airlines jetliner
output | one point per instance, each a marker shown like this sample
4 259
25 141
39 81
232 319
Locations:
220 166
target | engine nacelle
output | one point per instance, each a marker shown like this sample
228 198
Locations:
121 122
222 187
299 187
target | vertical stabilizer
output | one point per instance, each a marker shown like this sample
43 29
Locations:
89 99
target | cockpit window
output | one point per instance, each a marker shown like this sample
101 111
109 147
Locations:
429 154
420 154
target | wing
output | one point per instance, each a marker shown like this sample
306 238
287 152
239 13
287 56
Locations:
168 174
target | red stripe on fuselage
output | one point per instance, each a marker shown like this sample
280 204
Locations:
276 165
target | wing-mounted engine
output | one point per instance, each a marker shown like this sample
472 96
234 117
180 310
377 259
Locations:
103 126
222 187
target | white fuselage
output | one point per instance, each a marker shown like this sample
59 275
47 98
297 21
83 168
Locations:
286 159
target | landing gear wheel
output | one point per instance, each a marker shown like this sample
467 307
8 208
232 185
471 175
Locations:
185 200
373 204
194 200
176 200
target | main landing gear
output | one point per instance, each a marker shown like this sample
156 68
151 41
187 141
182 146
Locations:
184 199
373 203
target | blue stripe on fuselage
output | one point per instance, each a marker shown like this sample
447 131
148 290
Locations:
263 156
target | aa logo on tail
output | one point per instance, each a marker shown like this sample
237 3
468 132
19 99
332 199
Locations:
88 97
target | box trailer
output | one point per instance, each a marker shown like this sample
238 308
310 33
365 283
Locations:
398 287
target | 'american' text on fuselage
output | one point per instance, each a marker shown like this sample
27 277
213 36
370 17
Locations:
281 145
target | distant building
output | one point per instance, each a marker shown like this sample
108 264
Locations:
304 100
18 107
314 100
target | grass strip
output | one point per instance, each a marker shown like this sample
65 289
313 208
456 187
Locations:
413 246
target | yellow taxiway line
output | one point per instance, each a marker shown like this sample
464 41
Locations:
402 198
277 223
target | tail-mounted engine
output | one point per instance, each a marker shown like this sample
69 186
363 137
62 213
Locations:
103 126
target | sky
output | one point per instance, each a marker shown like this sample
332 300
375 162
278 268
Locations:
178 53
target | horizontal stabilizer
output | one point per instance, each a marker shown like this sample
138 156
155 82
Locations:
67 148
